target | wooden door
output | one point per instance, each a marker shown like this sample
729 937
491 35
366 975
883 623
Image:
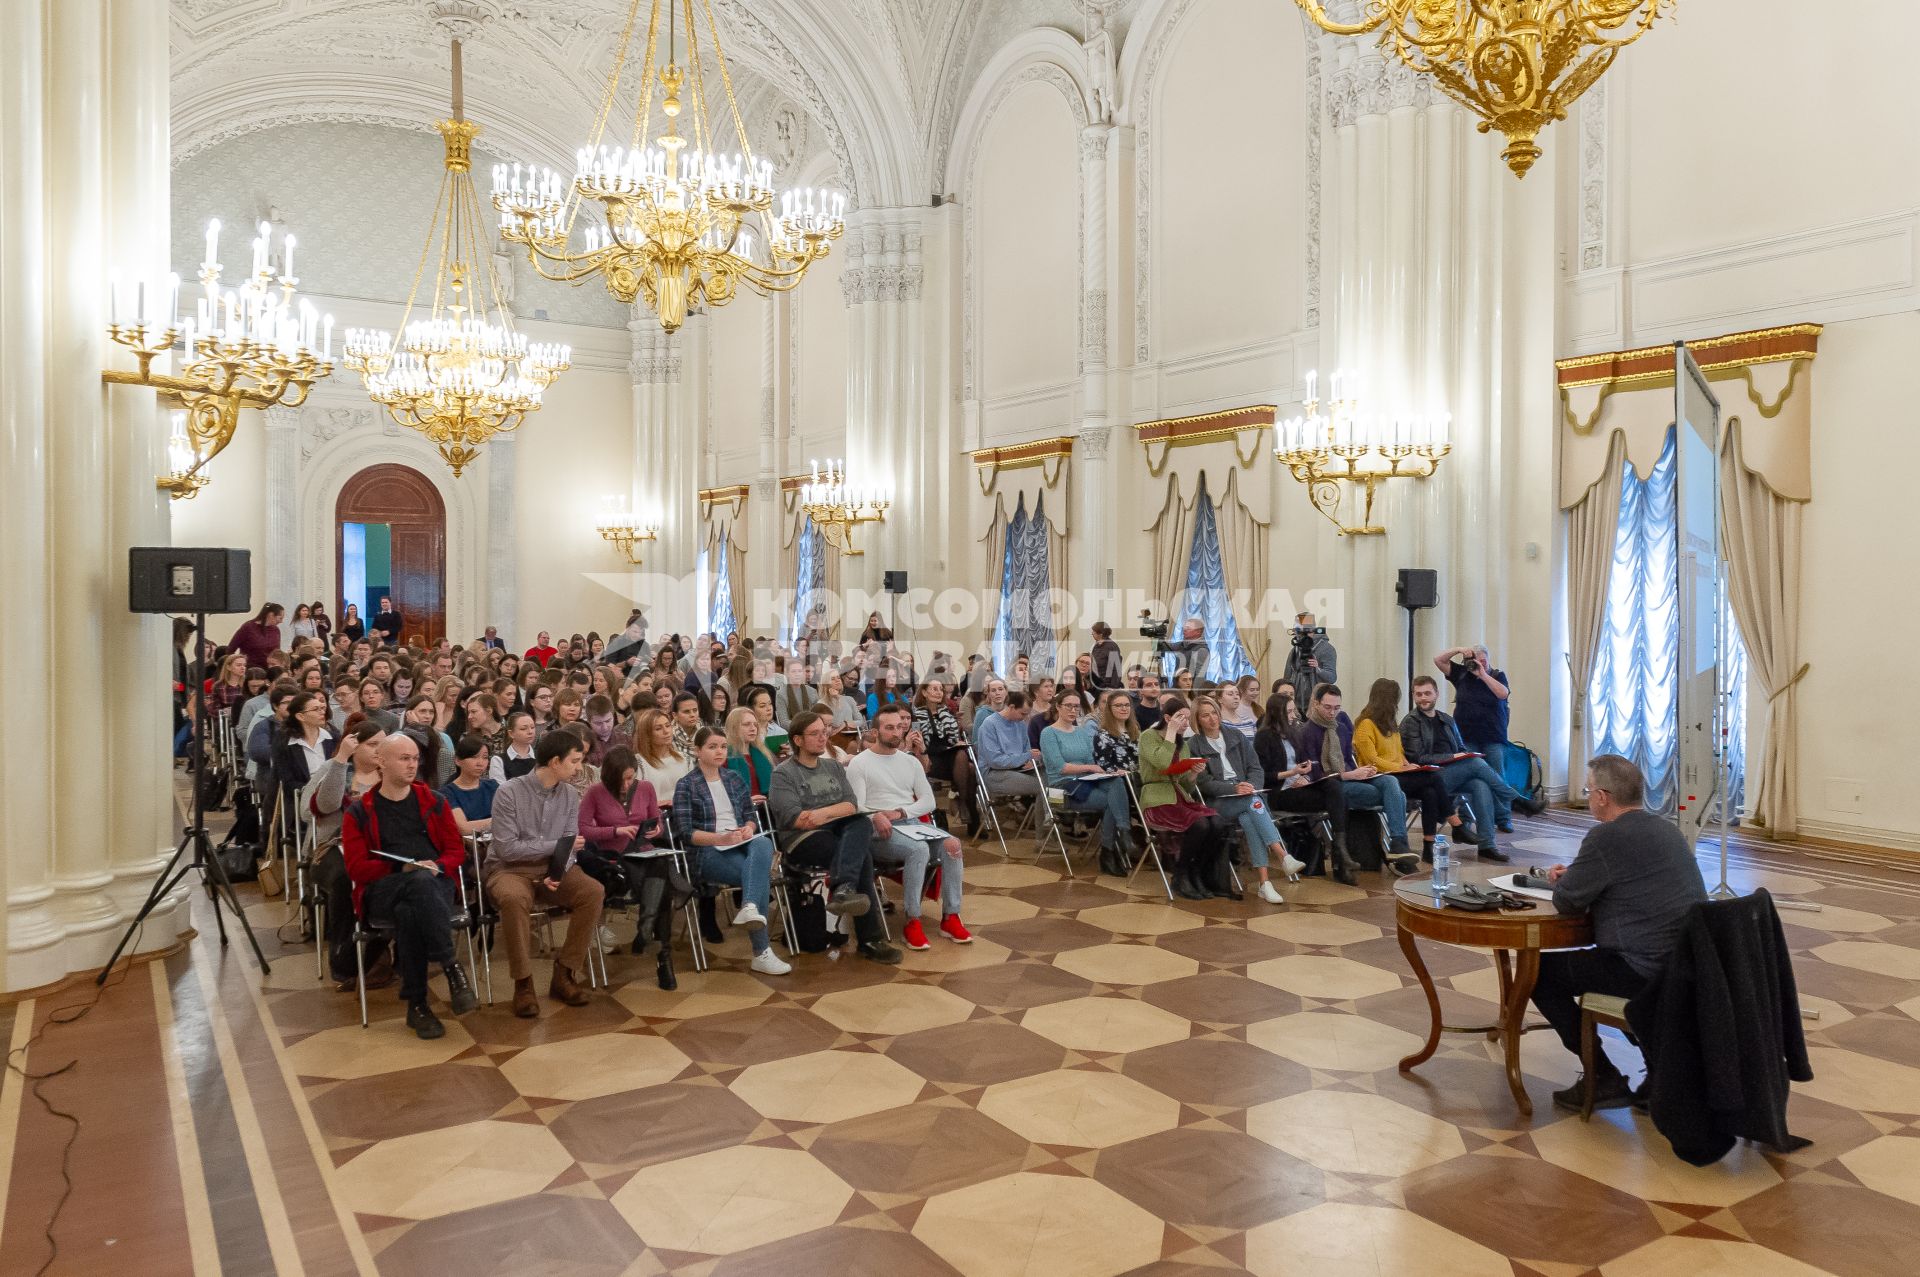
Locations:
408 503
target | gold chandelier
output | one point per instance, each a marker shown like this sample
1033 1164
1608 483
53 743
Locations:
625 530
1517 64
837 507
1345 450
457 376
250 347
674 228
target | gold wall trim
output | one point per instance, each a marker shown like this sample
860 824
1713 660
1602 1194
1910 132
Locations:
1651 364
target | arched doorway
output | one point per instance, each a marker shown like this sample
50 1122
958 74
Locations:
390 523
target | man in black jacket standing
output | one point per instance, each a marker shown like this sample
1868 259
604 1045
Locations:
1638 879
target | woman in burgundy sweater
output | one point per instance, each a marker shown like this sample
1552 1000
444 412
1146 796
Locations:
612 813
261 635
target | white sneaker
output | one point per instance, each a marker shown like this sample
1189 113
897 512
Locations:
1269 894
1292 868
769 963
750 917
606 938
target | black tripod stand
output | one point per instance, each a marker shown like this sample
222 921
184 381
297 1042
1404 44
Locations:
194 837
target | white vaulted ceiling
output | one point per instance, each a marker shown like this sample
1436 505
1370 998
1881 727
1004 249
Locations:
873 84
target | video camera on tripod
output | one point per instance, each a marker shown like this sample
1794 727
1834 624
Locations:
1306 641
1157 631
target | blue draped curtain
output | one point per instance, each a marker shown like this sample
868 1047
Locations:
1025 624
1635 685
1206 597
720 619
810 579
1632 701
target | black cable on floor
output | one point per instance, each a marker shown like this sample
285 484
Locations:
64 1015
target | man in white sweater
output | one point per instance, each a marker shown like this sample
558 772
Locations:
890 784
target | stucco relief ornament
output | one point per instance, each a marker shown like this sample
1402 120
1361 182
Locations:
1102 70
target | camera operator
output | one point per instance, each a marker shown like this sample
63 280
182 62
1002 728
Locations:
1480 712
1189 653
1312 660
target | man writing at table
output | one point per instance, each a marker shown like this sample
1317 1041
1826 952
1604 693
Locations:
1637 878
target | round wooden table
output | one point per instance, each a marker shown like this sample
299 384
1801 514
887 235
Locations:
1516 940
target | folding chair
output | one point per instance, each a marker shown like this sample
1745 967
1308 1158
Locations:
1055 804
809 876
682 862
463 921
542 916
1152 840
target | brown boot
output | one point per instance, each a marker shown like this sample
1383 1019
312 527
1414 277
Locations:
563 989
526 1004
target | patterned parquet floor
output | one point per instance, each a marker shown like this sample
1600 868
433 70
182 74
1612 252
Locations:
1102 1083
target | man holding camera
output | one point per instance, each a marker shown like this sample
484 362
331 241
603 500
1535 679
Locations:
1480 713
1189 653
1311 661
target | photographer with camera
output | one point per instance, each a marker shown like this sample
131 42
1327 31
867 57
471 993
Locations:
1189 653
1480 713
1312 660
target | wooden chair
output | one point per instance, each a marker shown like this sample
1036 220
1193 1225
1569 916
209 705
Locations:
1596 1009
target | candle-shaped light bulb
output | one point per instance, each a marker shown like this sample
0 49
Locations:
213 243
286 267
326 328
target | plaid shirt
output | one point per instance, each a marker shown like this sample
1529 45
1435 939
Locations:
693 803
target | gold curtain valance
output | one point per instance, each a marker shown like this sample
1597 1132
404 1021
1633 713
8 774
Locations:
1027 470
1763 379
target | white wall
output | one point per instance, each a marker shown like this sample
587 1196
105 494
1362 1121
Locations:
1027 252
1227 153
1859 703
736 349
577 449
1762 167
1750 119
821 310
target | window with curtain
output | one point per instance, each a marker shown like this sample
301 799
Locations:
1024 624
1631 704
1206 597
720 618
810 579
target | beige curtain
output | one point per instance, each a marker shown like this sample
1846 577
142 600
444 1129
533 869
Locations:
790 546
1243 560
1057 567
1172 543
1591 525
1760 536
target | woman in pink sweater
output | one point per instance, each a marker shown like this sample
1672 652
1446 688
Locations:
612 813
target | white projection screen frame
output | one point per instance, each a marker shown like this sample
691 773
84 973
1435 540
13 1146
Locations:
1696 424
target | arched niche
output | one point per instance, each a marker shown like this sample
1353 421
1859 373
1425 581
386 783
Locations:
409 506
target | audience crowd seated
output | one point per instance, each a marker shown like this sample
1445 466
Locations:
773 767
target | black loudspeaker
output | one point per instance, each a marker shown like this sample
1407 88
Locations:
1418 588
178 580
895 582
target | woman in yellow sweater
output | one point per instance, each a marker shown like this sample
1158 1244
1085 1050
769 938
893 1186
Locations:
1376 743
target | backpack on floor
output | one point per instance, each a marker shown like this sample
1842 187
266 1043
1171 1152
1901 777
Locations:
1521 770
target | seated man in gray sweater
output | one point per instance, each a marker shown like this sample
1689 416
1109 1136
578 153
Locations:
1638 879
531 814
821 826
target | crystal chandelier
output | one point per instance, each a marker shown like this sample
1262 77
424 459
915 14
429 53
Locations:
250 347
837 507
674 227
1517 64
1346 449
462 374
623 529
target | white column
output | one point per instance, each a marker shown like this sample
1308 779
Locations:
75 858
764 524
1094 517
33 955
503 555
77 536
140 829
280 575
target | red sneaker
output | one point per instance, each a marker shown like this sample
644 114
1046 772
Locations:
914 936
955 930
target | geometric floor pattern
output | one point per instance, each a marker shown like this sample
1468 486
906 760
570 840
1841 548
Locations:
1103 1083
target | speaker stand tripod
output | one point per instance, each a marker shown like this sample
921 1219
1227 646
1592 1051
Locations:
194 838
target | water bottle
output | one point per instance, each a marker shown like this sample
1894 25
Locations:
1442 866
